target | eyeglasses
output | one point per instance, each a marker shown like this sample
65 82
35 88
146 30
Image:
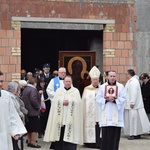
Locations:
62 72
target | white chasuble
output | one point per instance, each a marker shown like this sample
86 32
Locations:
91 113
10 122
72 120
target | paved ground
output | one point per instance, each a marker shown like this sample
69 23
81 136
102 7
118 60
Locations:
125 144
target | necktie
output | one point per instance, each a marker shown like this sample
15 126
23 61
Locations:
47 76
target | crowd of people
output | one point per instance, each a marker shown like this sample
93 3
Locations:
49 106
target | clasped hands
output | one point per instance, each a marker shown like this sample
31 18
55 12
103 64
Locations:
65 102
110 98
131 106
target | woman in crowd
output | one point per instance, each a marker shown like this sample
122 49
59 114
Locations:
32 100
41 87
145 87
22 85
13 88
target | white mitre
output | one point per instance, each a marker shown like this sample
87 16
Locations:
94 72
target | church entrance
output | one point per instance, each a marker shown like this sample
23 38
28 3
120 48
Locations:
43 38
40 46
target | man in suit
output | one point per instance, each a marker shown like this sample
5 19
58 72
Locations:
46 73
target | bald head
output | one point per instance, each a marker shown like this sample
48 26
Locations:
62 72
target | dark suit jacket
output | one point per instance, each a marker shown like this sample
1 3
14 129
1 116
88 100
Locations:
145 88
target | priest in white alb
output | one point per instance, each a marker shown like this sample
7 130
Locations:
56 83
65 122
136 120
91 111
111 98
10 123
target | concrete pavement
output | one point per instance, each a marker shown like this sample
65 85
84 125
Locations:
125 144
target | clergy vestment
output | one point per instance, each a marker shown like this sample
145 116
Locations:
10 122
111 117
53 85
68 117
136 120
91 116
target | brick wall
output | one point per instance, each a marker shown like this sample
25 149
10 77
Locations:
118 43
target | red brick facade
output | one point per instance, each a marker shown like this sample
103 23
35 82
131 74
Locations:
119 37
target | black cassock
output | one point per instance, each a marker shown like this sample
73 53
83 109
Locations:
61 145
110 138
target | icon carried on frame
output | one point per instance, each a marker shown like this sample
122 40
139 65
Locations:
111 90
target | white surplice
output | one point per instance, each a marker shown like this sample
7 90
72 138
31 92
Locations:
50 88
91 114
111 113
70 116
10 122
136 120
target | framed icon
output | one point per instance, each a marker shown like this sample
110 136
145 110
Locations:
78 64
67 58
111 90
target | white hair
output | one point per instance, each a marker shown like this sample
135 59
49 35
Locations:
12 86
23 83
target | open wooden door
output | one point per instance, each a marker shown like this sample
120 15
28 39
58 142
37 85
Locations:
78 64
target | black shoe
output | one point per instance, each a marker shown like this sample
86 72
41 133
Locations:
28 144
134 137
131 138
34 146
137 137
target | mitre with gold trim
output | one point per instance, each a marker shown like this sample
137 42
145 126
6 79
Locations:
94 72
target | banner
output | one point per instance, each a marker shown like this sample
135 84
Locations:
43 106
